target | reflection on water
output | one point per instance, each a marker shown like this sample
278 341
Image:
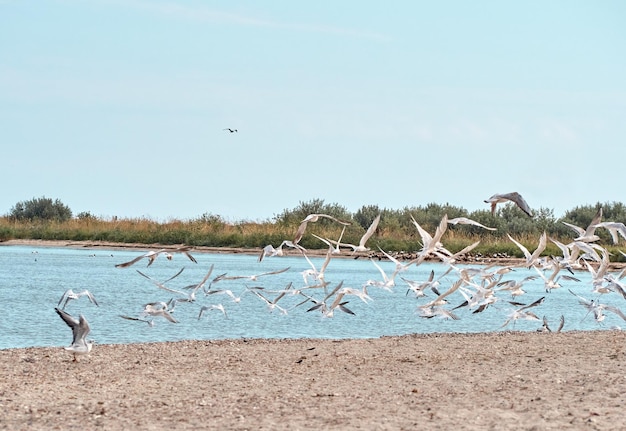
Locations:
33 280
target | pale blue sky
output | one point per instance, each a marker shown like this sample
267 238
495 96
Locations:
117 107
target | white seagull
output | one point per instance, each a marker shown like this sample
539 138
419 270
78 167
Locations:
368 234
417 287
71 295
388 281
440 299
271 305
150 322
228 292
515 286
312 218
162 285
523 313
156 309
219 307
153 254
465 220
614 229
338 303
80 329
271 251
587 235
335 249
431 244
313 272
597 308
533 258
552 282
253 277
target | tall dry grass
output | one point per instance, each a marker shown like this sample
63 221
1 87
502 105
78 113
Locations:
216 233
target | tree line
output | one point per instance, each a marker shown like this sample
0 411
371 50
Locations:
394 224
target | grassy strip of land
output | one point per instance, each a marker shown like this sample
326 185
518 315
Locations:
255 235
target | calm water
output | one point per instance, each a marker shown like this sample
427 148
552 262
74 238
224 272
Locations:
32 280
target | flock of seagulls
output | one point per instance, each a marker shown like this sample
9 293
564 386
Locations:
439 296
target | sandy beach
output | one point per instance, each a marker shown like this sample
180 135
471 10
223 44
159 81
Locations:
504 380
512 380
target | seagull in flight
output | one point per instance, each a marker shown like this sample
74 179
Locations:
230 130
532 258
153 254
338 303
465 220
431 244
597 308
515 286
157 309
188 297
312 218
272 304
313 272
80 329
387 283
587 235
552 282
614 229
523 313
253 277
418 287
270 250
228 292
514 197
219 307
368 234
70 295
150 322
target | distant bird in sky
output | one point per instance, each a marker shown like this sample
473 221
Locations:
512 197
230 130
